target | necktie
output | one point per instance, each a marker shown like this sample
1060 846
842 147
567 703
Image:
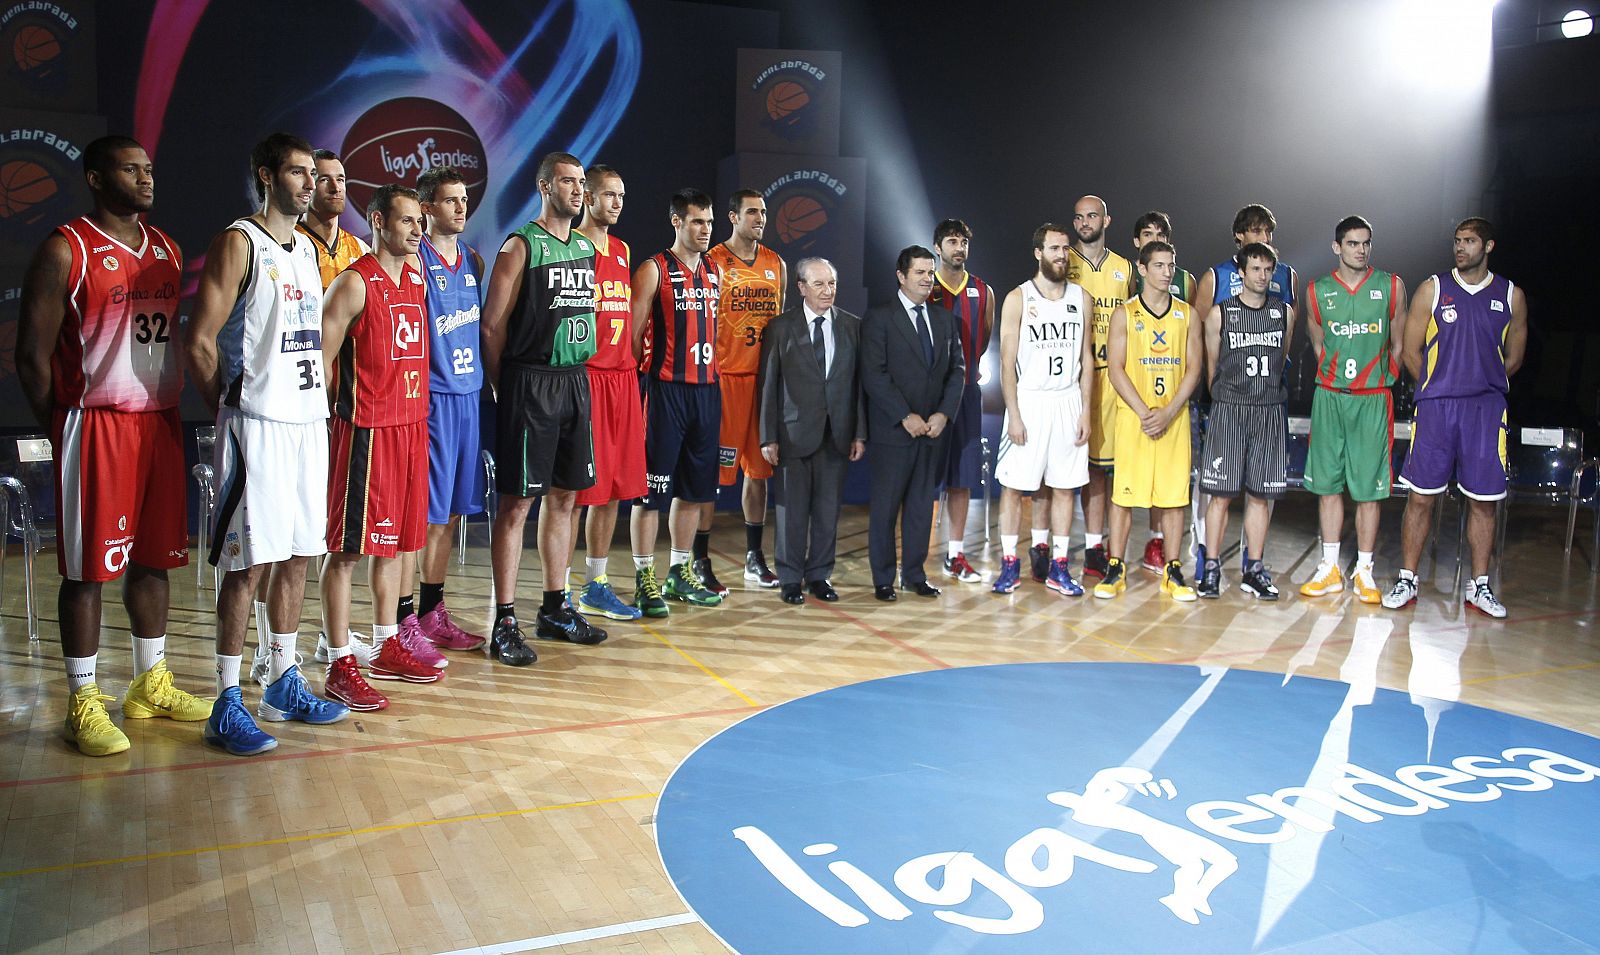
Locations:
922 333
819 345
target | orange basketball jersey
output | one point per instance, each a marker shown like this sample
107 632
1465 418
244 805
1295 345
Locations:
752 295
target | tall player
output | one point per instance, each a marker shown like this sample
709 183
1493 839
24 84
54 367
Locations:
971 300
1253 223
452 275
1356 318
538 332
1155 354
1247 338
614 408
753 282
99 307
373 325
1046 370
1464 339
1108 278
674 305
255 354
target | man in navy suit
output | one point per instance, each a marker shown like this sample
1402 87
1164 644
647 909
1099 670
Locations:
912 371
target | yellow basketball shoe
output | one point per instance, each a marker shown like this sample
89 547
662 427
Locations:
1115 580
1173 584
152 694
89 726
1327 580
1366 588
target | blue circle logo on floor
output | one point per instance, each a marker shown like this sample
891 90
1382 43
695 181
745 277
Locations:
1073 807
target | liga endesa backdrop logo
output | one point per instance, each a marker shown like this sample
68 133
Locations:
1097 807
789 90
398 140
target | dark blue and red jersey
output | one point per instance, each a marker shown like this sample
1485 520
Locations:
683 321
969 303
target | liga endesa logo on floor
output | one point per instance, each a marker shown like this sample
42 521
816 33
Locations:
1116 807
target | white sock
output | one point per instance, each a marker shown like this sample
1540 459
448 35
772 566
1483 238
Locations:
645 562
382 632
1059 546
263 628
1363 559
955 549
1041 535
1407 575
281 655
1157 536
344 651
1330 554
1091 541
597 567
227 671
80 671
1008 545
147 652
678 557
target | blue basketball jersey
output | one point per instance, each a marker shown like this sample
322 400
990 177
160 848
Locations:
1231 283
454 300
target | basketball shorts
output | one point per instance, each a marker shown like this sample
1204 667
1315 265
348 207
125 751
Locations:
455 470
1151 472
682 425
272 491
618 418
543 437
1246 446
1460 439
964 468
119 492
1103 423
378 489
740 433
1052 456
1352 438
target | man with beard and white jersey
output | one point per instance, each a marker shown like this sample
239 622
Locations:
1108 279
1247 340
255 354
1047 375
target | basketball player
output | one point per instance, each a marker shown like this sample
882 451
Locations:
614 408
1247 337
1108 279
373 325
674 305
971 300
255 354
1464 339
99 308
1352 316
753 282
336 248
1156 226
452 275
1253 223
538 332
1154 350
1046 369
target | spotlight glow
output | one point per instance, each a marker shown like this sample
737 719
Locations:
1576 23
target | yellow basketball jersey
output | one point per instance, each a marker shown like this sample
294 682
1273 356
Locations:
1109 284
1156 349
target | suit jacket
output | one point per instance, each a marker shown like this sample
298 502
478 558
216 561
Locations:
898 380
796 402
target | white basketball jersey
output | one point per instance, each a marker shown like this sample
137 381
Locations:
271 344
1050 341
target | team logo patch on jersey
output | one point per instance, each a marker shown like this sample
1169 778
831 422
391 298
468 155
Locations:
470 280
1448 315
1138 326
622 261
583 246
272 270
160 253
1497 306
416 279
442 282
727 457
972 293
1275 313
1376 294
1116 274
769 274
110 263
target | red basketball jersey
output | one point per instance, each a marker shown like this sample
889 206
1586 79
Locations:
115 349
969 302
613 312
383 363
683 321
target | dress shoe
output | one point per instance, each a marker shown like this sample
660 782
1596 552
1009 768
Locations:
822 590
924 589
886 592
792 595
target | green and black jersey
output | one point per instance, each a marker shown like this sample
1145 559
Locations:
552 323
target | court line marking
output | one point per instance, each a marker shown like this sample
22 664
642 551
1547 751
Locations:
701 666
321 836
375 747
884 635
1544 672
581 935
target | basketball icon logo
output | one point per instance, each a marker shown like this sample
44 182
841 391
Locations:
789 111
34 50
398 140
798 219
25 190
785 97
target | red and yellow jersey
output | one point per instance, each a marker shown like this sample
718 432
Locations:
752 296
383 363
613 311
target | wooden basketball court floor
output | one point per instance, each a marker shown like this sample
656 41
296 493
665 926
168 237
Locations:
510 810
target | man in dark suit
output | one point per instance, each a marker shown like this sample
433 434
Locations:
811 425
912 372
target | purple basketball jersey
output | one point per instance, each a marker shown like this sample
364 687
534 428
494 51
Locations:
1464 352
